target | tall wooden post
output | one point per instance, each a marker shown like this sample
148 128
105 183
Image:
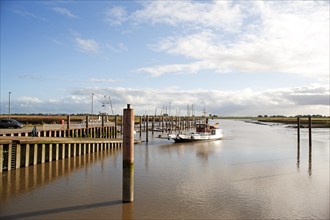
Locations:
140 127
68 126
121 124
68 122
147 128
298 141
310 146
153 124
310 133
128 154
162 123
102 126
116 126
86 133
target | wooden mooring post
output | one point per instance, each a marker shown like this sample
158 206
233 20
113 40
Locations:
298 141
310 145
140 127
128 155
147 128
310 133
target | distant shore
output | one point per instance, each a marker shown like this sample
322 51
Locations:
323 122
317 122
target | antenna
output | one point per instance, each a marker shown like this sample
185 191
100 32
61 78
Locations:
107 101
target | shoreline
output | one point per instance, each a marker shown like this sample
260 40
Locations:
292 122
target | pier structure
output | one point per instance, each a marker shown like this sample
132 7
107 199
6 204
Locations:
166 123
55 142
23 152
106 130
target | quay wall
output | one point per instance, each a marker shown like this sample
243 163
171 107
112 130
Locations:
23 152
106 131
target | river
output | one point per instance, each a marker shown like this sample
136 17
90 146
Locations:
253 173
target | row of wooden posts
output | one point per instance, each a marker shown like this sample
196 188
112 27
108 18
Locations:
25 152
92 133
309 143
106 129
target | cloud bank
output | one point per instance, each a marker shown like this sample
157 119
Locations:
227 36
313 99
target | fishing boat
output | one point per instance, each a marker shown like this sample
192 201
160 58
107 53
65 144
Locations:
204 132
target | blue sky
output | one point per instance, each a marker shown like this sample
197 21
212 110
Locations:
240 58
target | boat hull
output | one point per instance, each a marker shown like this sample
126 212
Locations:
185 140
181 138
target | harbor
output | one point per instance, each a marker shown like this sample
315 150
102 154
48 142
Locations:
165 109
253 172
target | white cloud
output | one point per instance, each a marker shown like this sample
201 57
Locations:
217 14
308 99
87 45
116 15
28 15
284 101
26 101
97 80
120 47
64 11
286 37
190 68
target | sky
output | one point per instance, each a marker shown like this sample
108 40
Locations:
229 58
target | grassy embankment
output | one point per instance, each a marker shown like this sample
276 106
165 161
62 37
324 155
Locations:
316 122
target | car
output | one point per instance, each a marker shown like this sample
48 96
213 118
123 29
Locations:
10 123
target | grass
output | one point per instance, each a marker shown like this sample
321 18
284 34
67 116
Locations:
316 122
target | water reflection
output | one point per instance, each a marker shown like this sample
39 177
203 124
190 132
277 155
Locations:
309 160
298 155
202 149
128 183
27 179
310 163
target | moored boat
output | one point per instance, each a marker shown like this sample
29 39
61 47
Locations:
204 132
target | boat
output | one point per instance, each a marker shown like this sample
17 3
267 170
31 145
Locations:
204 132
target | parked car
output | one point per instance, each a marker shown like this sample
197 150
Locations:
10 123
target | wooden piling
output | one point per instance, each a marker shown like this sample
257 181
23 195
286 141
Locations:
128 155
35 154
147 128
1 157
310 145
18 155
68 122
140 127
153 124
116 126
310 132
27 155
298 141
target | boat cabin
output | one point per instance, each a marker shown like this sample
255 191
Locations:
203 128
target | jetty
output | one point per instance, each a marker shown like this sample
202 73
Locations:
25 151
18 148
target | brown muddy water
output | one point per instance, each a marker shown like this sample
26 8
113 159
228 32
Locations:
253 173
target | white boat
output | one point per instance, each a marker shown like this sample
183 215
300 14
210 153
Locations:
204 132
